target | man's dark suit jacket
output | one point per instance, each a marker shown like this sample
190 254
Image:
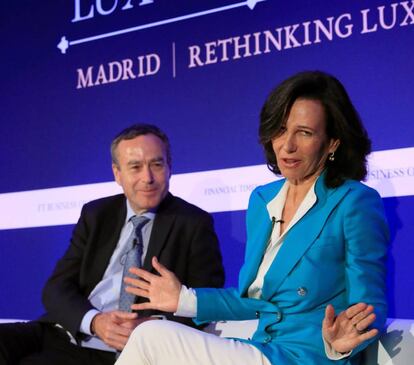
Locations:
182 238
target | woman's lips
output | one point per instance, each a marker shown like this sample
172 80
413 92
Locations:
290 162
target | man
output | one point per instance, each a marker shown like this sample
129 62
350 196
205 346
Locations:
83 324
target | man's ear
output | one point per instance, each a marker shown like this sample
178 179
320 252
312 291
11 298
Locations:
117 173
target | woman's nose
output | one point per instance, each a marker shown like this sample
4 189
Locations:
289 143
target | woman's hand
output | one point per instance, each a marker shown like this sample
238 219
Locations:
163 291
349 328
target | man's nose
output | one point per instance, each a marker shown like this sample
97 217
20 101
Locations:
147 175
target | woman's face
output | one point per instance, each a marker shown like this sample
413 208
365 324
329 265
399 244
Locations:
302 146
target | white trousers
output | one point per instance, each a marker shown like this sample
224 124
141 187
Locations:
171 343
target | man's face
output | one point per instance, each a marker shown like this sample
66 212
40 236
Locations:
142 171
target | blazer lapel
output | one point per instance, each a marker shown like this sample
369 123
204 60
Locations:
254 257
107 241
163 223
301 237
259 228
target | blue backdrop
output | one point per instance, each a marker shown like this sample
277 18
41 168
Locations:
202 76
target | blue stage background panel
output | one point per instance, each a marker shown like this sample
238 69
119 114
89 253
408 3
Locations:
60 111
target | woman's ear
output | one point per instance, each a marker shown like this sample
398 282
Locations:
333 145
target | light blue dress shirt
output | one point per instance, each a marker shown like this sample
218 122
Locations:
105 296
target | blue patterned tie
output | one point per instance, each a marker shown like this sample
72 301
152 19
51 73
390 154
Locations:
132 259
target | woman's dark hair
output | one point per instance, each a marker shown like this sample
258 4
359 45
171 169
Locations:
342 122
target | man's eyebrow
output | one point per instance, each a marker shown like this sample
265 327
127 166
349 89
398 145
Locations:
157 159
140 162
134 162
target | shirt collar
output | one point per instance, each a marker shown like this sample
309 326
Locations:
131 213
275 206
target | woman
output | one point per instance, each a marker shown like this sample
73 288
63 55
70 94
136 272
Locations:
317 240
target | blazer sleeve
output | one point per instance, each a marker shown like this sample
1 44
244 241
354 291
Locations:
227 305
63 298
366 237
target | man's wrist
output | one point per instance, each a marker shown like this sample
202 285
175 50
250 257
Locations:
85 326
93 323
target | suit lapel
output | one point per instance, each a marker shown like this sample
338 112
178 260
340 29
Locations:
301 237
163 223
107 240
259 227
254 256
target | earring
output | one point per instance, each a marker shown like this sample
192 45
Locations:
331 156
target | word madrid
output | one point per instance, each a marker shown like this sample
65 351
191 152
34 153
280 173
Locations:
115 71
303 34
85 9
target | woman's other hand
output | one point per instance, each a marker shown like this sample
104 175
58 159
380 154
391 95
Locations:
349 328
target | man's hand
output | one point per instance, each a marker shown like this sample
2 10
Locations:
163 291
115 327
350 328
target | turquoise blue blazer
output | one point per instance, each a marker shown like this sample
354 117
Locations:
334 254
